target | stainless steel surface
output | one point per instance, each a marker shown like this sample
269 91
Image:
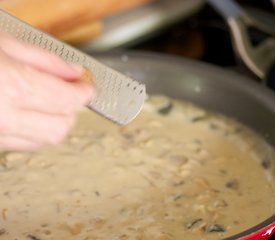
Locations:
257 58
119 98
132 26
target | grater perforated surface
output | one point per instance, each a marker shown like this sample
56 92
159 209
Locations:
118 98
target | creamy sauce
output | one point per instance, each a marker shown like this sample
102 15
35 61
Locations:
182 174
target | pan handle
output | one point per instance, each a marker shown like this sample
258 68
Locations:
228 9
260 59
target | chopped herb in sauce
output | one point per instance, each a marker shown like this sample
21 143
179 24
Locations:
199 118
233 184
97 193
178 197
3 231
215 228
165 110
192 223
266 163
33 237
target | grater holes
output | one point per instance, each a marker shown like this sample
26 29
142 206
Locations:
135 86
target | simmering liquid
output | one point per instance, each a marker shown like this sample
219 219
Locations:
176 172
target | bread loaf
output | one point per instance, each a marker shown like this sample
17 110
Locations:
82 33
56 16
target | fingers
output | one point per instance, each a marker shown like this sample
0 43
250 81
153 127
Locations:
37 106
8 143
34 127
39 58
49 94
39 127
30 89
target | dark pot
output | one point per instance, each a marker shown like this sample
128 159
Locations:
212 88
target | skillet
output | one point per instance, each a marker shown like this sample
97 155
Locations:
210 87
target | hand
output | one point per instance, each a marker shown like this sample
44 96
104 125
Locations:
40 96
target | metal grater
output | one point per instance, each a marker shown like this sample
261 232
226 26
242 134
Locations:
118 98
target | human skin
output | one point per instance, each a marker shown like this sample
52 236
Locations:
40 96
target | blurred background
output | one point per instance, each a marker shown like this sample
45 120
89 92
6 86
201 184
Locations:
188 28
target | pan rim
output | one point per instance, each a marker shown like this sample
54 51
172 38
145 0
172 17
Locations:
249 86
